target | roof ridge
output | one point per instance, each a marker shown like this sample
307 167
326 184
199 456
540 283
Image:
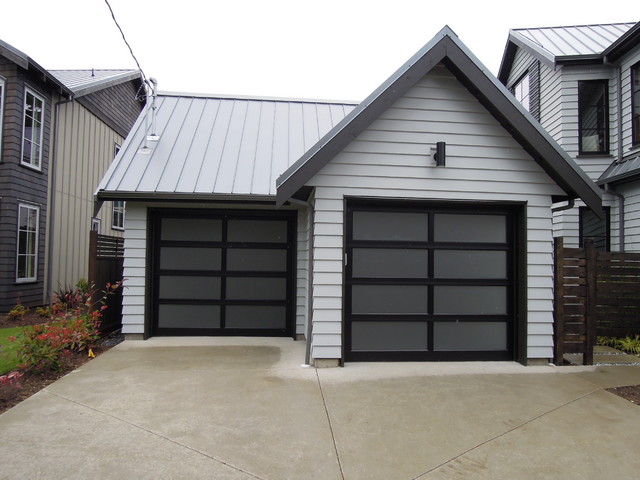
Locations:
573 26
257 98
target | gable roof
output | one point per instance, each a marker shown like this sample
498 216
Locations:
214 145
624 170
447 49
572 44
84 82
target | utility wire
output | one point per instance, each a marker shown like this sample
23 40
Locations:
144 77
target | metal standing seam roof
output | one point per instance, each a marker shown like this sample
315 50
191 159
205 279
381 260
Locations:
618 171
217 145
83 82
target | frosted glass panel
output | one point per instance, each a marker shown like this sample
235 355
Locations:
257 231
390 263
183 258
191 229
259 316
453 227
254 288
194 288
469 336
390 226
389 336
256 260
389 299
188 316
470 300
470 264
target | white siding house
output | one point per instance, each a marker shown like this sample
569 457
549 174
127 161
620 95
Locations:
393 254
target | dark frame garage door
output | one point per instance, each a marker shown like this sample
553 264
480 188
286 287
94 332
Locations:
222 272
431 281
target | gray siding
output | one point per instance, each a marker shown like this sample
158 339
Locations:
21 184
632 216
116 106
390 159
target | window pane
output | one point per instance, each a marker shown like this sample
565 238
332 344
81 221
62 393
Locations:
470 300
469 336
592 111
255 288
455 227
635 102
195 288
389 336
189 316
184 258
390 226
389 299
257 231
390 263
259 316
257 260
192 229
470 264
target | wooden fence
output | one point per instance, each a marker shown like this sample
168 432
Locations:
106 261
596 293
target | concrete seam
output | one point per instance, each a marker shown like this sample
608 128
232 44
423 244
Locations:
505 433
155 434
333 437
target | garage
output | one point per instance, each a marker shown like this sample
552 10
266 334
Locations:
222 272
430 281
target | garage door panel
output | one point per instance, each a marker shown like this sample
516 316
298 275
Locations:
470 336
189 287
470 264
257 260
256 288
256 317
389 336
257 231
477 228
389 263
389 299
190 258
191 229
390 226
469 300
188 316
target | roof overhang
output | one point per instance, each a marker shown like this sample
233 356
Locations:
108 82
623 45
152 197
446 48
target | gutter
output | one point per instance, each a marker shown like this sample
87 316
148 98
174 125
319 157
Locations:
309 330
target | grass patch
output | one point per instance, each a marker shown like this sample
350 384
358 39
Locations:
8 358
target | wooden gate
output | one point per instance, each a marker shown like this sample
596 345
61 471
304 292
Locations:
596 293
106 261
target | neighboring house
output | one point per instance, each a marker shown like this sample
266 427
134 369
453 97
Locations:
58 132
334 222
582 83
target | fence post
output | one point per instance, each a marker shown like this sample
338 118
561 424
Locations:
93 257
590 313
558 300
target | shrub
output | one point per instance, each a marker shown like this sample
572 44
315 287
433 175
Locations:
626 344
18 311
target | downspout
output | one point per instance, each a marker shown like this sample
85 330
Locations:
309 330
568 206
52 193
607 188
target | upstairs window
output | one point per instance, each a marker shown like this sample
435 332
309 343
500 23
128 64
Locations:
521 90
593 116
27 254
635 102
32 130
118 215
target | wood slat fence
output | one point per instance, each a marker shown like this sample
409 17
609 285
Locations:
106 264
596 293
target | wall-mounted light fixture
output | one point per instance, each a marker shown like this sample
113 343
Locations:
439 153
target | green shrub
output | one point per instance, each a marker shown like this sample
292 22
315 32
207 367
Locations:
18 311
626 344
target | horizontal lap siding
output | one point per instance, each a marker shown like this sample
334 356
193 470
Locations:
631 192
302 275
135 252
391 159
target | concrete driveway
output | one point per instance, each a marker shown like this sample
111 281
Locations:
235 408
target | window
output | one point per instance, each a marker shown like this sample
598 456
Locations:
593 116
1 110
32 130
118 215
596 229
116 149
635 102
521 90
95 224
27 256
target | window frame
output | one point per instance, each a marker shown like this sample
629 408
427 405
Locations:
581 107
634 74
36 242
96 224
516 90
3 87
36 96
607 227
118 212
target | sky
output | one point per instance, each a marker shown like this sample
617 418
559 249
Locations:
330 49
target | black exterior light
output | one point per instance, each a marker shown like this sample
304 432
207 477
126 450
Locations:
440 154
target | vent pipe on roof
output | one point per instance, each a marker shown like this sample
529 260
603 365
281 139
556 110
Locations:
153 83
150 86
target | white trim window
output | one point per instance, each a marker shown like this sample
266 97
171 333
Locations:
96 223
27 250
118 215
521 90
2 88
32 130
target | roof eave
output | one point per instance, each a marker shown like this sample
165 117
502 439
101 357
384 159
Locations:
624 44
133 196
107 83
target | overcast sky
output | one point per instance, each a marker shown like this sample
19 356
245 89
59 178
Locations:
329 49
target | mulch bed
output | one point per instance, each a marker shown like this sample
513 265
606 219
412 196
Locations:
30 383
631 393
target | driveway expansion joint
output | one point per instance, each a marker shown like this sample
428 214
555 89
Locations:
333 437
156 434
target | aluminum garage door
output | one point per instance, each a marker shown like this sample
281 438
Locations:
223 273
430 282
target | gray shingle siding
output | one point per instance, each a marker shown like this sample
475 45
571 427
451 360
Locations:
116 106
